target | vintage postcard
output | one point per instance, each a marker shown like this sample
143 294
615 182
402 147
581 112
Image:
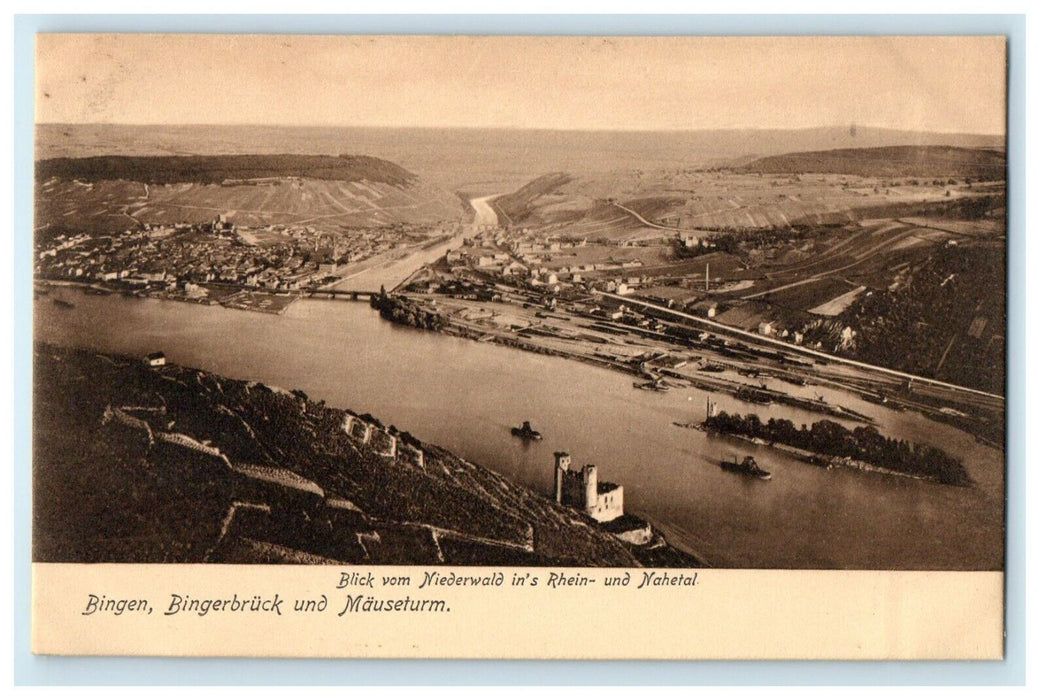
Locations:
520 347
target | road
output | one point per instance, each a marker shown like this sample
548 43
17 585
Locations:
651 224
800 350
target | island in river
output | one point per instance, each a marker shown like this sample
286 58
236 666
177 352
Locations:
151 462
827 443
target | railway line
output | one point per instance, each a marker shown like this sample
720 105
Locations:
800 350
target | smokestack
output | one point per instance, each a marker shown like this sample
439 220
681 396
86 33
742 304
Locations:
707 277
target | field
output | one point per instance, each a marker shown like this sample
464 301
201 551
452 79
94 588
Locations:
114 205
796 249
856 253
810 242
837 305
825 272
696 202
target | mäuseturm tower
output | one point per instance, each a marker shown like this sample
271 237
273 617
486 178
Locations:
600 500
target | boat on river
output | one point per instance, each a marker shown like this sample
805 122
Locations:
526 432
819 461
658 384
747 466
753 396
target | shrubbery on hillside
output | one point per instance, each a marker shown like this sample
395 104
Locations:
163 170
890 161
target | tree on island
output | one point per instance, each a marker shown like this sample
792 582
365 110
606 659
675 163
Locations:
864 443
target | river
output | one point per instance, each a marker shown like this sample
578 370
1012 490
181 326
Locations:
392 273
485 214
466 395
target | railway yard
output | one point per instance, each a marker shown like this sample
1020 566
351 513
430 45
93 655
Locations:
792 315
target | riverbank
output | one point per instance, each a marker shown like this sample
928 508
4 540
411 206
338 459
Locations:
388 269
400 310
589 349
260 301
681 356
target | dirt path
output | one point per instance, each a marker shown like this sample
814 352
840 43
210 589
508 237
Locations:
647 223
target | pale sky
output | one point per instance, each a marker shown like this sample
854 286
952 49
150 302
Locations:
945 84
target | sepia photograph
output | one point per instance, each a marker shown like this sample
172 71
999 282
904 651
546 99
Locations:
671 304
520 301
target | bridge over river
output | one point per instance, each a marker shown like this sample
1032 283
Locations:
343 294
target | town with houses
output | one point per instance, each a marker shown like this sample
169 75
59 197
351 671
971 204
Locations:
569 274
218 261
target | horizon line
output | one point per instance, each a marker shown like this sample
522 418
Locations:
530 128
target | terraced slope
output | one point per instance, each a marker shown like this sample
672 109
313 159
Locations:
113 193
213 170
828 188
171 464
516 207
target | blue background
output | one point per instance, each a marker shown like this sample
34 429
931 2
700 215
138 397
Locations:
45 670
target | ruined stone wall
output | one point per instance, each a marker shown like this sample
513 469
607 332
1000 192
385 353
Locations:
608 505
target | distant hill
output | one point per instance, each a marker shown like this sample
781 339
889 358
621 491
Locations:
892 161
483 161
516 206
809 189
208 170
112 193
